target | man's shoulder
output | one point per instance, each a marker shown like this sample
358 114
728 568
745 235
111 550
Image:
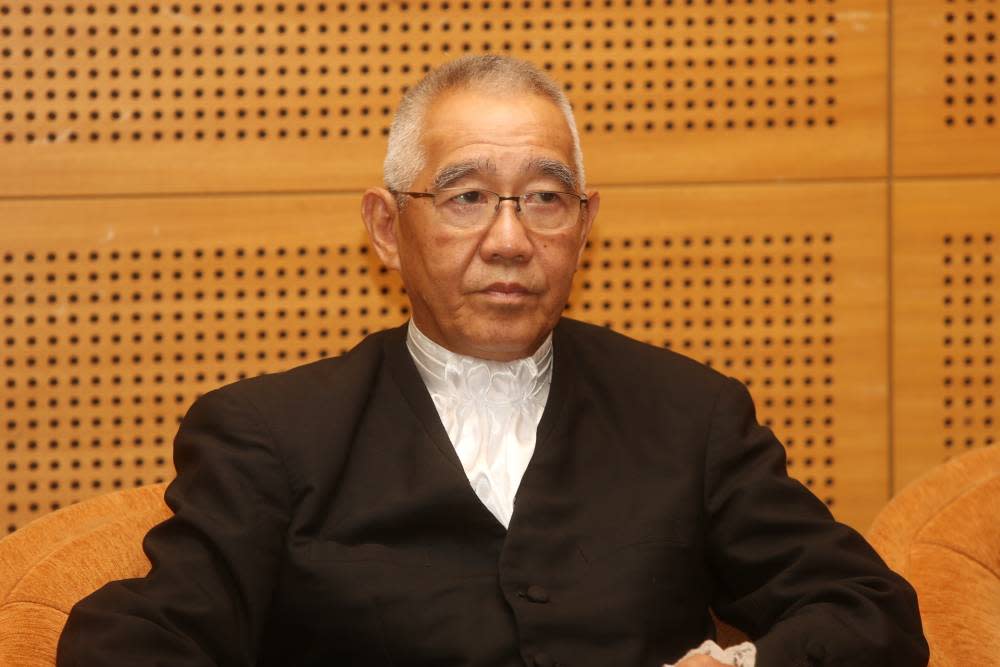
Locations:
601 351
313 384
599 344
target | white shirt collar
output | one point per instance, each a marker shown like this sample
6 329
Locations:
494 382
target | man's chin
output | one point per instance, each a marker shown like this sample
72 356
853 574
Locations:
505 340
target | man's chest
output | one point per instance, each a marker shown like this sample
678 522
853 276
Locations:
602 554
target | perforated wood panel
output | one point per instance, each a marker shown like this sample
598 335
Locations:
246 96
946 88
946 311
783 288
117 311
117 314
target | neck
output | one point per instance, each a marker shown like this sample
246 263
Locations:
485 354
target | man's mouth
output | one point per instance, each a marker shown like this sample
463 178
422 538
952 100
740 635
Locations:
507 292
507 288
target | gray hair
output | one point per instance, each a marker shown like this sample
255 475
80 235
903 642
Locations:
405 156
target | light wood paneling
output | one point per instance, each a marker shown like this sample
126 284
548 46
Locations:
946 306
946 90
118 313
747 91
192 96
118 310
782 287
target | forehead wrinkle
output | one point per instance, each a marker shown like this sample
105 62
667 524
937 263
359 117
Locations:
452 173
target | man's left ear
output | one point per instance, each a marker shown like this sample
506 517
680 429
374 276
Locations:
380 213
590 214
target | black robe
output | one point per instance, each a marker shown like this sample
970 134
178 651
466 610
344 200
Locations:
322 517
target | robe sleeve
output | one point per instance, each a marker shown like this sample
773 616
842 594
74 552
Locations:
214 562
808 590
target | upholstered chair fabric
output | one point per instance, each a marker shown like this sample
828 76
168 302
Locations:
942 532
52 562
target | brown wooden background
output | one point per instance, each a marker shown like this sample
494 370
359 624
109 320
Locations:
804 194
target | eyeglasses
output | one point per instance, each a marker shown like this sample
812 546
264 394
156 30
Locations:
471 208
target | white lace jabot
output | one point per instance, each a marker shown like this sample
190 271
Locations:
490 410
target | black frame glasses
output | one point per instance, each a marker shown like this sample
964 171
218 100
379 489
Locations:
543 215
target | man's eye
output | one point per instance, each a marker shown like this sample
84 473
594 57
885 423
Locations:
469 197
543 197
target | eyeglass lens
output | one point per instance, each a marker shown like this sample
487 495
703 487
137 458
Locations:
474 207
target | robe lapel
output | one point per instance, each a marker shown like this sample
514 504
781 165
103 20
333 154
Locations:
562 381
406 376
547 445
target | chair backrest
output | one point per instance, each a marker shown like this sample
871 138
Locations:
942 532
53 562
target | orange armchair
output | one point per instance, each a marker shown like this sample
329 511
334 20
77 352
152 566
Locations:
942 533
53 562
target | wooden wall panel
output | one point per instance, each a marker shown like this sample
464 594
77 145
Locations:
946 90
191 96
946 241
117 313
782 287
752 91
178 209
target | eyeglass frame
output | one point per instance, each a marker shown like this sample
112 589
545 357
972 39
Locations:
583 199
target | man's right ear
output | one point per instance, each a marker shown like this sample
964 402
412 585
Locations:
381 214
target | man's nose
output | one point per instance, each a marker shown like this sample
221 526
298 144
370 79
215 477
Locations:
506 238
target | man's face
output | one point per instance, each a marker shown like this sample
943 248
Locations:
493 292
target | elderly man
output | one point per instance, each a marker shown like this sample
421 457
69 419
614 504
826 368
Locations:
491 484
